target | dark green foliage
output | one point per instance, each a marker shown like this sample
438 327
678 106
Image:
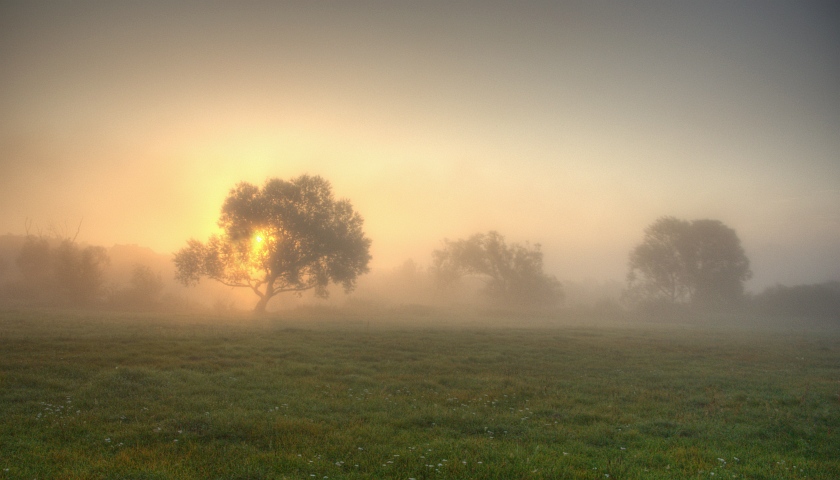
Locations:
289 236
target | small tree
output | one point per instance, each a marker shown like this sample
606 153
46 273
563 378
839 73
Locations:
681 262
289 236
512 273
143 291
145 285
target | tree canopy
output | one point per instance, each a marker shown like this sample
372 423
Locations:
513 274
288 236
688 262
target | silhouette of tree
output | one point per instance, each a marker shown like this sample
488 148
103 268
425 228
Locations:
78 272
145 285
512 273
289 236
143 291
680 261
34 261
64 273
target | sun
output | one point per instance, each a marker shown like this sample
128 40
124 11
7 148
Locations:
259 244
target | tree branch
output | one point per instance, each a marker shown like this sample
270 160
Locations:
229 284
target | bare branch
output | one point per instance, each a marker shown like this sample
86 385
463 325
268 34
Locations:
78 229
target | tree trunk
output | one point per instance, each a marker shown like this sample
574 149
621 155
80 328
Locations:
260 306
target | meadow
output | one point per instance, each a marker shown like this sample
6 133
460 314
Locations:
410 395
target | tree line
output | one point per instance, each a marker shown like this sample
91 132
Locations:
53 269
293 236
296 236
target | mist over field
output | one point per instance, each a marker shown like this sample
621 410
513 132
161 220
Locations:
571 126
576 239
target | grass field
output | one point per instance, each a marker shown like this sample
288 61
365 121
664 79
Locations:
335 396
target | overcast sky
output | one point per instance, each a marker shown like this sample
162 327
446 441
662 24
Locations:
570 124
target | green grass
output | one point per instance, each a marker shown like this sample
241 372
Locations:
93 395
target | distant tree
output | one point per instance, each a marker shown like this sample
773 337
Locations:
144 289
815 302
78 271
678 261
288 236
512 274
34 261
144 283
65 273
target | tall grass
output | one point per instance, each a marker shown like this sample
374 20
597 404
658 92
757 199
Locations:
338 395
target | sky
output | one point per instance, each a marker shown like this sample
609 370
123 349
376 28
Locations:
569 124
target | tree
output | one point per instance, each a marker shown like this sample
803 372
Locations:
34 261
144 289
145 285
289 236
512 273
65 273
78 271
688 262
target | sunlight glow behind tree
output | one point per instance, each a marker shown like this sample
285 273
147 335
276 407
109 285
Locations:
289 236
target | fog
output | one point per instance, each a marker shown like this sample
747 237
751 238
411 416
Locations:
574 125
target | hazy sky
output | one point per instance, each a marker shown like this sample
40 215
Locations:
570 124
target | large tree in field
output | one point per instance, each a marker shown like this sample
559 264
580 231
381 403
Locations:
288 236
513 274
679 261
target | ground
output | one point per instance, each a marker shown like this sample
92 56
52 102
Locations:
411 395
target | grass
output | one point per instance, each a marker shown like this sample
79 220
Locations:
96 395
